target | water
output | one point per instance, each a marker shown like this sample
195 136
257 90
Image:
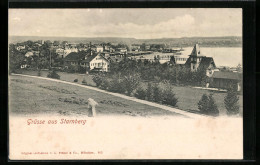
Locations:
223 56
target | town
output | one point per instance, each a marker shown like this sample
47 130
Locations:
90 58
144 71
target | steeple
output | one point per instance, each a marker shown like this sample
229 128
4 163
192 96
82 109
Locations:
196 50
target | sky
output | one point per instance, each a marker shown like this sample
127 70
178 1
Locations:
128 23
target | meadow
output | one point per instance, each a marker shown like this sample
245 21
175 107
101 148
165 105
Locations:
188 97
31 96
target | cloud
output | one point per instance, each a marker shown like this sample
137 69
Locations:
179 23
133 23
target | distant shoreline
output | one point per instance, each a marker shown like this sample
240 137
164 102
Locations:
225 41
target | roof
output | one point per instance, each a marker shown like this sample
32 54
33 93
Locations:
205 62
90 58
75 56
227 75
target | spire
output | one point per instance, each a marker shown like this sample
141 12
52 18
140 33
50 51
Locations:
196 50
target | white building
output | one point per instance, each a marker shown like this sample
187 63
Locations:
96 62
99 48
20 47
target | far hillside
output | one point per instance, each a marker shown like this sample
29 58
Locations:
229 41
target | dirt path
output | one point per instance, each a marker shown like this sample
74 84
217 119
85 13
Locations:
191 115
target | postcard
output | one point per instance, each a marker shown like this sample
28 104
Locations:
125 83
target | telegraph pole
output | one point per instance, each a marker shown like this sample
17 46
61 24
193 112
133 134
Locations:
50 58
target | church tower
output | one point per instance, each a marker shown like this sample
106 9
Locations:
195 57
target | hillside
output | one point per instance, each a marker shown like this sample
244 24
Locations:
228 41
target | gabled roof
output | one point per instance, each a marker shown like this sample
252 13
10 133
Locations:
75 56
90 58
227 75
205 62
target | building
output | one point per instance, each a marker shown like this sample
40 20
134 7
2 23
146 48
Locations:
99 48
197 61
96 62
29 54
60 52
224 80
88 60
67 51
74 58
178 59
21 47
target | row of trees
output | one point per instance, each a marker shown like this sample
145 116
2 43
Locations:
207 104
154 71
130 84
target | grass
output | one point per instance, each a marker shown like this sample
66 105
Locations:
31 96
64 76
188 97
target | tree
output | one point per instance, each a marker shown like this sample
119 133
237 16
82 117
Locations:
149 92
169 97
157 94
53 74
213 109
140 93
16 58
131 82
231 101
207 105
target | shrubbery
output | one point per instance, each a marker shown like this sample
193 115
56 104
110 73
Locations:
84 81
140 93
129 83
76 80
156 94
115 85
75 69
39 73
207 105
169 97
53 74
231 101
98 79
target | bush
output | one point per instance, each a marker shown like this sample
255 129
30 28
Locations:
116 86
98 79
207 105
157 93
53 74
130 83
231 101
169 97
76 80
71 69
140 93
39 73
84 81
149 92
105 84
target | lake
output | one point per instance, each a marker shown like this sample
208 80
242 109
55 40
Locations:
223 56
